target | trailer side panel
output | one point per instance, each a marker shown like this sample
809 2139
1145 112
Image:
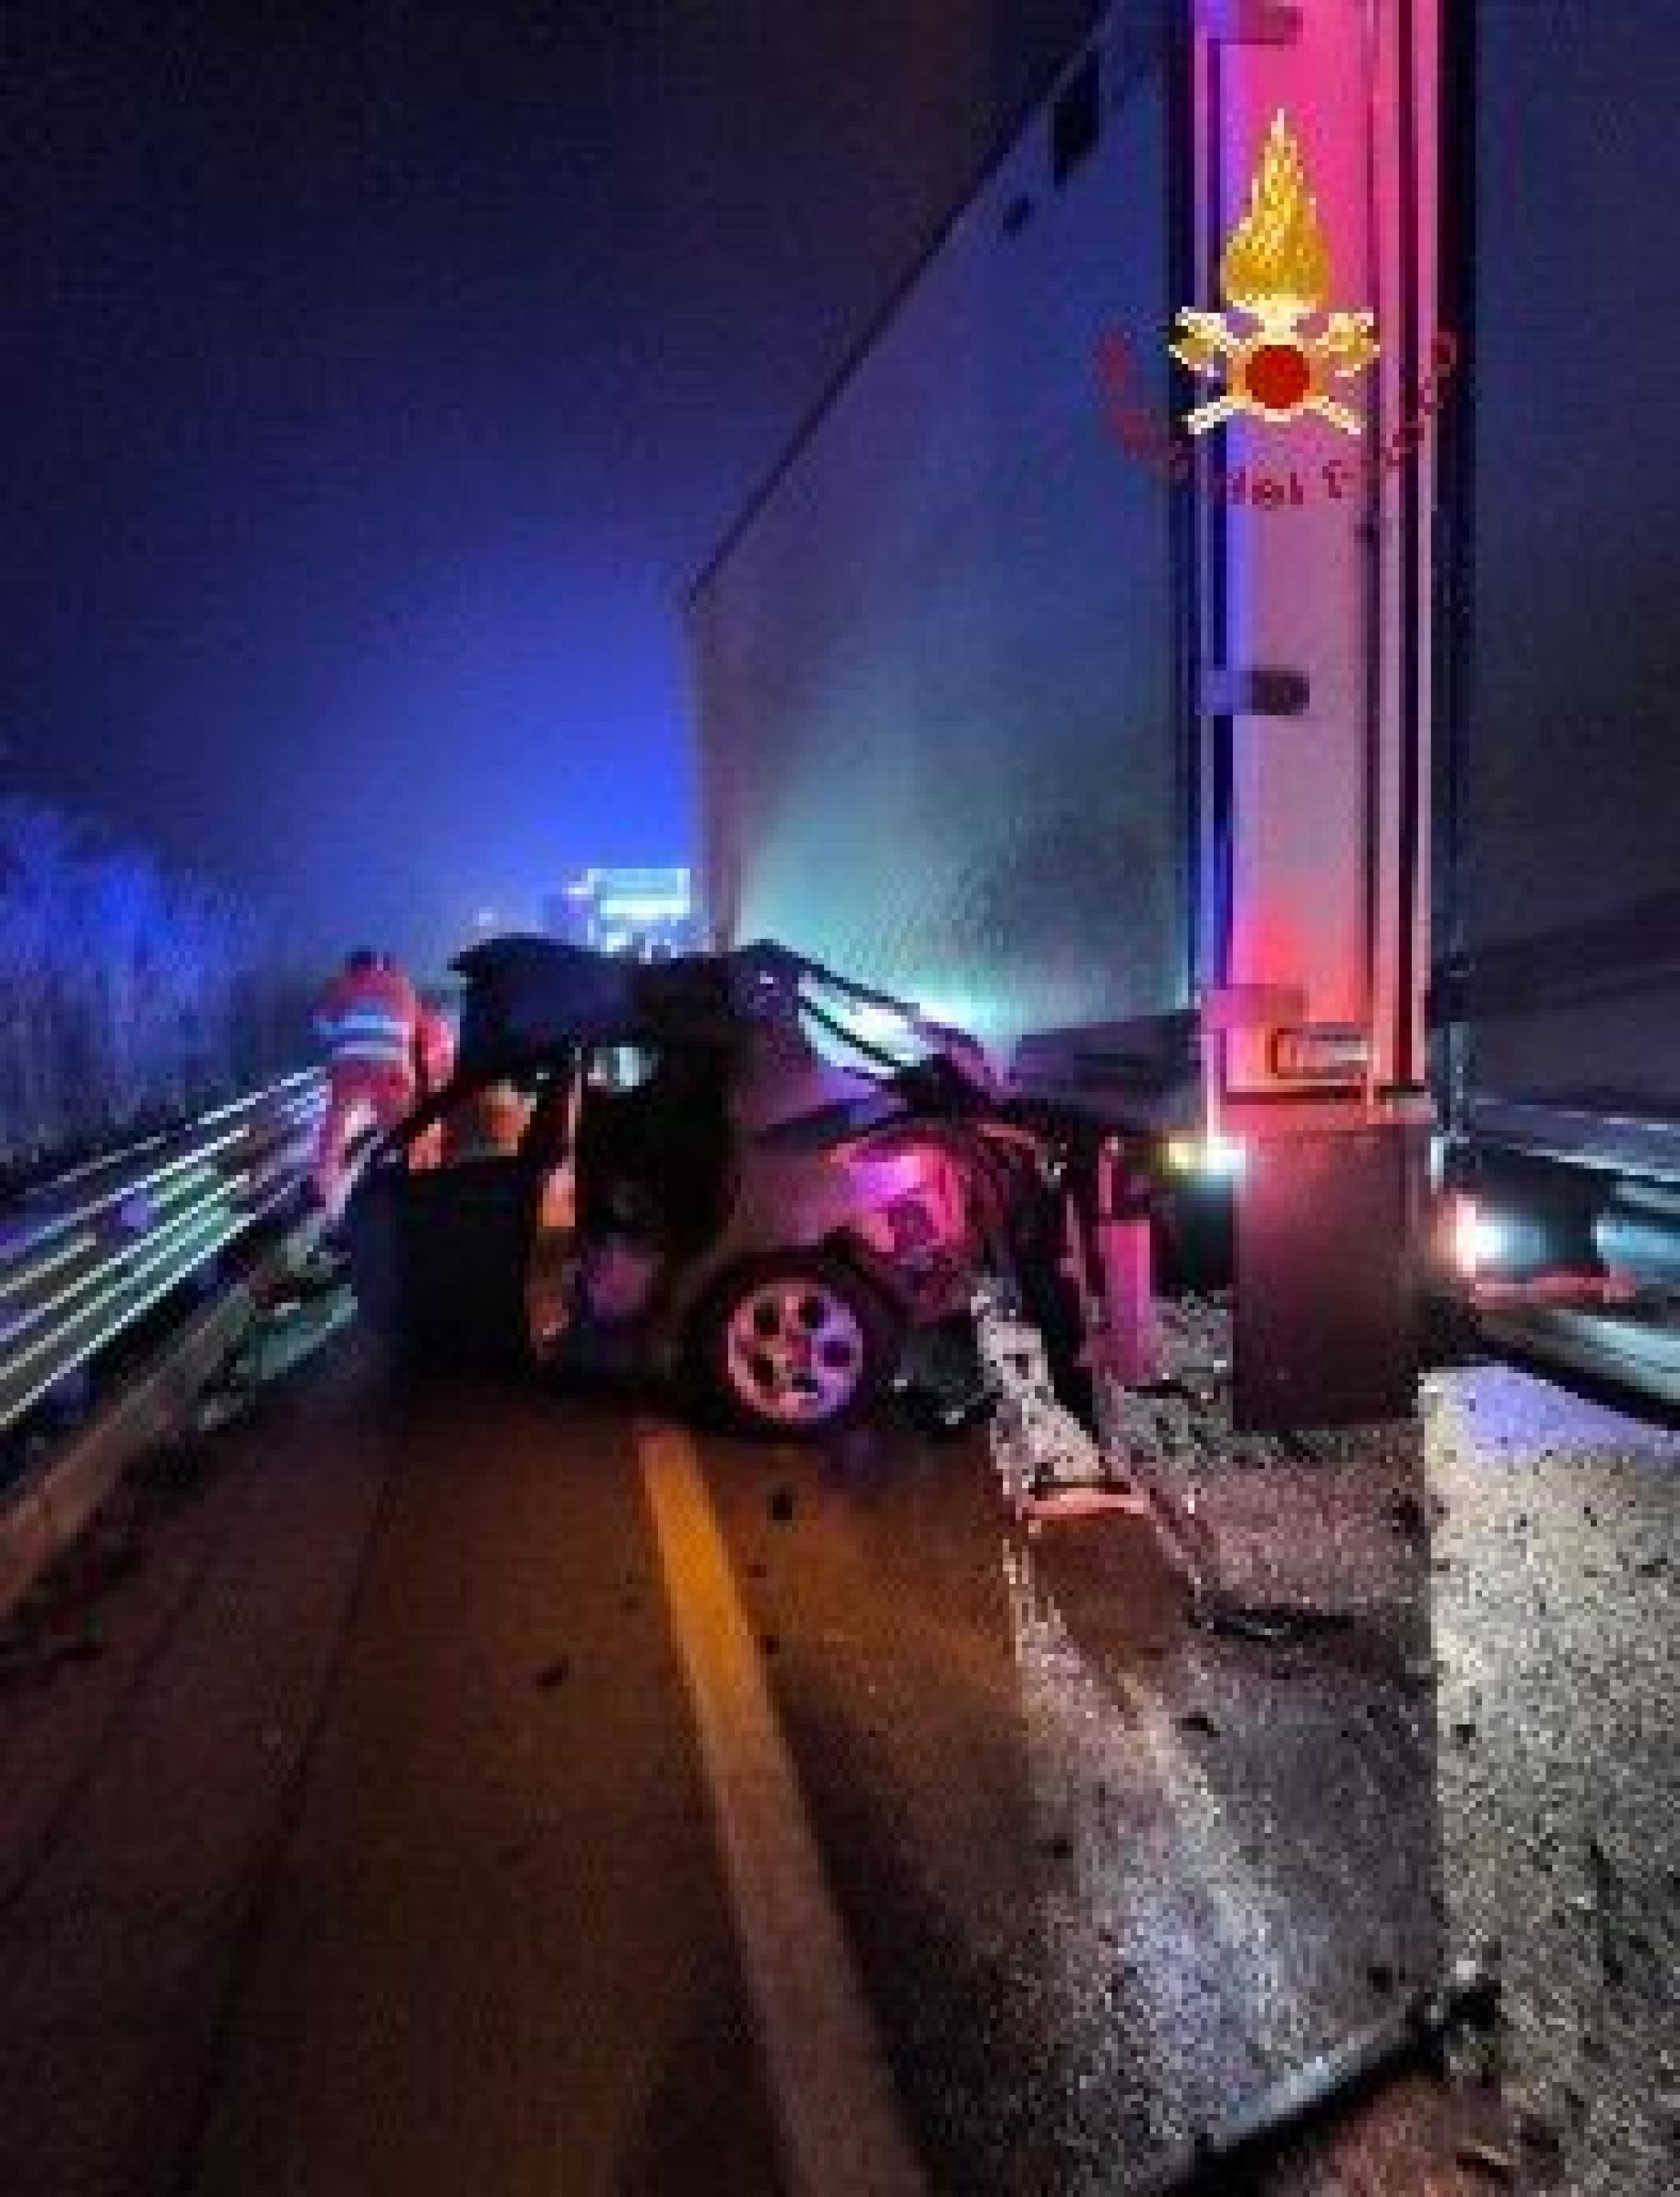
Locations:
939 740
1559 885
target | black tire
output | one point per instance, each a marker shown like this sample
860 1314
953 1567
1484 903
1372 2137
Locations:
844 1339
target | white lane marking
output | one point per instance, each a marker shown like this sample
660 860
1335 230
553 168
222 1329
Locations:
830 2086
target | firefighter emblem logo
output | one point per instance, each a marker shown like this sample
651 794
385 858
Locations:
1275 271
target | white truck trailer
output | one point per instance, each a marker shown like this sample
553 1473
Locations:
1111 663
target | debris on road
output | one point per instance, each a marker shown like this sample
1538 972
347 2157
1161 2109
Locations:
230 1397
1409 1518
1535 2130
943 1388
293 1325
1264 1621
1486 2158
1413 2034
1051 1466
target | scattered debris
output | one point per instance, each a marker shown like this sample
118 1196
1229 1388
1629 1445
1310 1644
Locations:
1048 1499
941 1415
1049 1463
1535 2129
1610 1910
1264 1621
1417 2029
230 1397
292 1326
1407 1516
1486 2158
33 1653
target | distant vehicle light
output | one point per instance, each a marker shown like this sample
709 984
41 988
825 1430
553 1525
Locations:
630 907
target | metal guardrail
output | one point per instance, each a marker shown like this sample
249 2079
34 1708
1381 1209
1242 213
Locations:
84 1256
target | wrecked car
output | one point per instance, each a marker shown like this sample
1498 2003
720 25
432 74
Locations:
652 1168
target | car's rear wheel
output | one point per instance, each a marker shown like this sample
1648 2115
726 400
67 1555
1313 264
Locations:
797 1345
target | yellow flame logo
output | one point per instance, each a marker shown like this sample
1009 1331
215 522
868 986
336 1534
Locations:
1275 271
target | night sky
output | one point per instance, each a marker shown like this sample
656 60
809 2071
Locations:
378 375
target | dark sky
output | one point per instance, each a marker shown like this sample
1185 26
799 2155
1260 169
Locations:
380 369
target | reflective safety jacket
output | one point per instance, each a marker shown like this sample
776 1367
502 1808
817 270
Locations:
369 1019
434 1049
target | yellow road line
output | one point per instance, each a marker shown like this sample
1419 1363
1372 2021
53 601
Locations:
830 2086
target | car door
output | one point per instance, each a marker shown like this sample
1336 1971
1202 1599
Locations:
439 1252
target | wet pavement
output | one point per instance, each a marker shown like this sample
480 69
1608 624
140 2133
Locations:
354 1835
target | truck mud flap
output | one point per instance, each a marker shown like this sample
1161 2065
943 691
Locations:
1325 1329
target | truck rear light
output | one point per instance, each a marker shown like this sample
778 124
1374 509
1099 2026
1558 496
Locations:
1218 1158
1476 1239
1324 1053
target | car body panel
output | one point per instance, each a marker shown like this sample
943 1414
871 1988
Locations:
741 1143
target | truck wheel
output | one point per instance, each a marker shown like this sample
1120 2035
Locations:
797 1344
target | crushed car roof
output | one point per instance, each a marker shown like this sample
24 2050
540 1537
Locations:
526 993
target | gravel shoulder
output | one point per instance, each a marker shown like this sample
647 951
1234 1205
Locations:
1514 1550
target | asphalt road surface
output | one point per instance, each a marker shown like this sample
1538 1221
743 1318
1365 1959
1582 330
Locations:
470 1790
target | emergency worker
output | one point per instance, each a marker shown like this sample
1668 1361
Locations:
368 1018
434 1065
